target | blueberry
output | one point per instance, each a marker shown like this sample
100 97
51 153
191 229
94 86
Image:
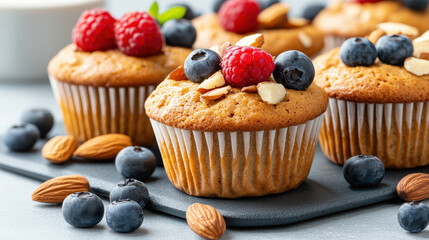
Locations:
83 209
130 189
311 10
21 138
394 49
358 52
201 64
263 4
217 4
189 14
42 118
413 216
294 70
179 33
124 216
135 162
363 171
417 5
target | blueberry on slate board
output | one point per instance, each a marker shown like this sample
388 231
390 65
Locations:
294 70
21 138
130 189
394 49
135 162
417 5
201 64
42 118
83 209
363 171
358 52
311 10
124 216
266 3
179 32
189 14
217 4
413 216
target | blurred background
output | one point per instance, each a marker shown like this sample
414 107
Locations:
33 31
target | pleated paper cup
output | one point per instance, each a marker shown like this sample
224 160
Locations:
397 133
237 164
92 111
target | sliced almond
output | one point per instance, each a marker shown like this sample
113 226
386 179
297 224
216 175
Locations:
423 38
375 35
254 40
296 23
223 48
392 28
417 66
420 48
215 81
216 93
178 74
424 56
271 93
273 16
305 40
250 89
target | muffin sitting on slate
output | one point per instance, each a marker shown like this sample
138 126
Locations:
378 106
357 18
226 129
102 80
238 18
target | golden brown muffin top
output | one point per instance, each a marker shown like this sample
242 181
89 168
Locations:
346 19
379 83
210 33
112 68
178 104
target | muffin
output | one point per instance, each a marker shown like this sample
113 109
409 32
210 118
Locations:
281 33
246 138
101 88
345 19
380 109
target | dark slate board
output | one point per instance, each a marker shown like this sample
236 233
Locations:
324 192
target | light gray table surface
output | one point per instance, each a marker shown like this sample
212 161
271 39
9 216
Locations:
21 218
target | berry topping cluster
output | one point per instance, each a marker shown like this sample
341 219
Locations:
244 16
392 43
135 33
247 67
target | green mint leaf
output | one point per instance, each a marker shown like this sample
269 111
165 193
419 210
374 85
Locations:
172 13
154 10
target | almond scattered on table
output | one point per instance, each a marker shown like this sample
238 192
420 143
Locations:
57 189
103 147
205 221
414 187
59 149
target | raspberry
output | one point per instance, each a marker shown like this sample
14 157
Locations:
94 31
245 66
240 16
137 34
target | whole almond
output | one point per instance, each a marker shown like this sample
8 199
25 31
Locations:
57 189
414 187
103 147
273 16
59 149
178 74
375 35
205 221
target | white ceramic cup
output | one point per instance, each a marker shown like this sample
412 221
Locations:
32 32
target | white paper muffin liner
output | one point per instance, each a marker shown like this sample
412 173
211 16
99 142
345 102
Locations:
92 111
397 133
237 164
